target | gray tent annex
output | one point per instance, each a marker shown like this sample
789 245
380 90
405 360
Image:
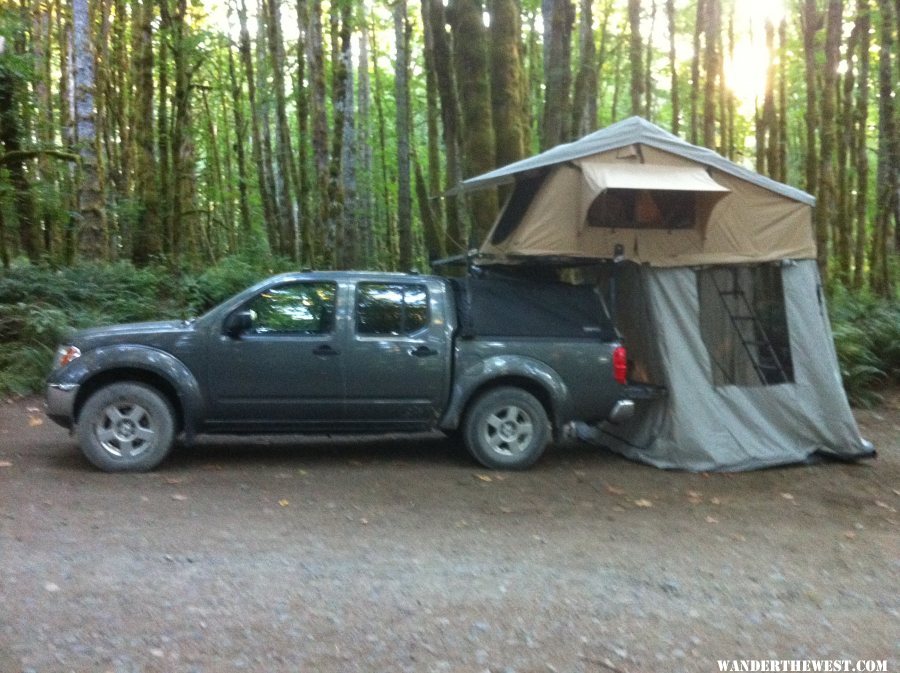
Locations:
718 299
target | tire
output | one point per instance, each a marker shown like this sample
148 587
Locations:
506 429
126 427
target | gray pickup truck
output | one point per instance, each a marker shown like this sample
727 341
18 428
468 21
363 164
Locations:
505 364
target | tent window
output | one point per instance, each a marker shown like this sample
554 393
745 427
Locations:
744 325
643 209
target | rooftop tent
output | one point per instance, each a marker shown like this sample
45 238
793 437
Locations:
638 189
718 298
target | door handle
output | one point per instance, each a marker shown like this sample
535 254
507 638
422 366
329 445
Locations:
422 351
325 349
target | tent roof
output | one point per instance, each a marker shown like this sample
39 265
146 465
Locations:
633 130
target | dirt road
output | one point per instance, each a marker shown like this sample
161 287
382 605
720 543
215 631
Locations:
401 555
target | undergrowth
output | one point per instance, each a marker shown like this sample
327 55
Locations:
40 306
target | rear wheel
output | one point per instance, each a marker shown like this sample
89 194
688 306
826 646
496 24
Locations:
506 429
126 427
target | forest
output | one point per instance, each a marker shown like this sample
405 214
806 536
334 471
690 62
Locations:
222 139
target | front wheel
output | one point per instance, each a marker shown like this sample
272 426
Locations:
126 427
506 429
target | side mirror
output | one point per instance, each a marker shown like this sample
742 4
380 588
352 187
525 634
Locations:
237 323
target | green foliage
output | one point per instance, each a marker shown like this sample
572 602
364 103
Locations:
867 337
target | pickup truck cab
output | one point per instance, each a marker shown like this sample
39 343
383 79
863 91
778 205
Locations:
505 364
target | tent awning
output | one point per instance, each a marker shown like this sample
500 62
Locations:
644 176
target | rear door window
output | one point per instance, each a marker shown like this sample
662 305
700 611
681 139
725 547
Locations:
391 309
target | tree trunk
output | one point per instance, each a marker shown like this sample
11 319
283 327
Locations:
584 98
507 82
479 149
846 151
11 141
648 64
319 114
366 172
263 180
699 23
148 234
861 113
712 66
635 54
673 68
240 133
450 122
390 254
887 208
768 148
92 243
350 249
289 239
401 92
811 23
559 19
826 197
432 120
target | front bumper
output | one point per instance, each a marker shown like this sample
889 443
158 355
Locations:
60 403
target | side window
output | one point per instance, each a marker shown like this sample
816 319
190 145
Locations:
390 309
295 308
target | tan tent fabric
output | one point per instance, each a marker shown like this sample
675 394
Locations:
736 220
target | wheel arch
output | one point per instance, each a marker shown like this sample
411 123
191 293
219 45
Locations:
132 375
529 385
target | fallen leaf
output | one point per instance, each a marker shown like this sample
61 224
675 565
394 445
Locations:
284 503
615 490
643 502
174 480
694 494
896 491
715 501
738 537
849 534
506 510
483 477
178 496
32 410
5 463
304 472
618 509
364 521
711 519
787 496
34 421
51 587
884 505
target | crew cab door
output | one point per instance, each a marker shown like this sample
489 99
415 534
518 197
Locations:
285 371
397 365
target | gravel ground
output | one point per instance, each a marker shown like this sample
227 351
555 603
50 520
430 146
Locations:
400 554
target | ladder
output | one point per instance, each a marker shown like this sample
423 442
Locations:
750 331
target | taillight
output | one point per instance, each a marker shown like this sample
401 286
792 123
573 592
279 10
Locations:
620 365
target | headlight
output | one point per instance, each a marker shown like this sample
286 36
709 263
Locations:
65 355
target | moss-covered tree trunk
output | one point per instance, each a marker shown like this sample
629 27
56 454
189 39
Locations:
559 20
442 60
471 66
92 243
860 117
507 83
584 96
148 233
